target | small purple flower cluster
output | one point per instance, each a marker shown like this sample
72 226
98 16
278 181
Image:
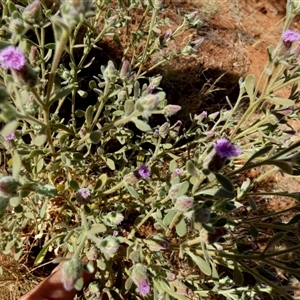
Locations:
288 38
225 149
12 58
143 172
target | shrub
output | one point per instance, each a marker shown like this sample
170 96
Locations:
88 172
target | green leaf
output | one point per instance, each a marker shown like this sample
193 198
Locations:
110 163
169 217
44 251
190 167
40 140
224 194
101 182
35 153
92 84
173 165
274 240
17 164
132 192
220 222
98 228
181 229
15 201
284 166
9 128
50 46
128 107
95 137
82 94
259 153
43 209
237 275
46 190
225 182
3 205
253 231
79 113
63 92
201 263
141 125
282 101
89 116
249 86
74 185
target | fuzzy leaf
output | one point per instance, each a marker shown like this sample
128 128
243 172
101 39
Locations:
95 137
141 125
181 229
259 153
9 128
274 240
201 263
283 101
169 217
40 139
128 107
44 251
190 167
17 164
238 277
249 86
225 182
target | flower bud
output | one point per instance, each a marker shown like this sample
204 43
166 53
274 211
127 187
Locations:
92 254
170 110
176 173
16 26
164 130
155 81
109 246
33 55
201 117
8 187
183 203
125 71
201 215
110 72
175 190
174 131
71 274
150 88
32 14
140 278
142 172
83 196
31 107
25 76
114 218
147 103
156 244
122 95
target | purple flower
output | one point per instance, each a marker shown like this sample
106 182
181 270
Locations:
83 195
290 36
143 172
144 288
12 58
225 149
140 278
10 137
178 171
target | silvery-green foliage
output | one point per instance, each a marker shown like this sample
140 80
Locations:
88 167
